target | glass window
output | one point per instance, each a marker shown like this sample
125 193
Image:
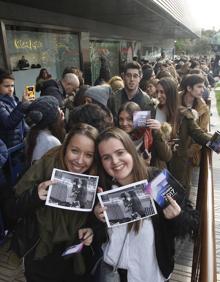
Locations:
108 53
33 49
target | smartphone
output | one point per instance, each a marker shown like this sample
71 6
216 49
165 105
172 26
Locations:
30 90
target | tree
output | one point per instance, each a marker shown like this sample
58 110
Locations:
199 46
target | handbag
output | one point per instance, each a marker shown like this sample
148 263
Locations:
109 273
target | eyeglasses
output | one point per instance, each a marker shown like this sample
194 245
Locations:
134 76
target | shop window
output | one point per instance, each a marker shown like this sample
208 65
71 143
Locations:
1 59
32 49
104 53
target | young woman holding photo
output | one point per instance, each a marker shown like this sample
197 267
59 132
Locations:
43 232
146 247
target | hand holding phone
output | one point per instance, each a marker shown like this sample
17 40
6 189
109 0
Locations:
30 92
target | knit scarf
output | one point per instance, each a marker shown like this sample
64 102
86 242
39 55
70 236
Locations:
147 139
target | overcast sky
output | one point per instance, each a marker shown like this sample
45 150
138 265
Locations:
207 13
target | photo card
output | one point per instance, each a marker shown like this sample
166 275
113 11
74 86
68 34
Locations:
165 184
214 143
140 118
127 204
73 249
73 191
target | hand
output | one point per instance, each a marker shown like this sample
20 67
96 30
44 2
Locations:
99 212
99 190
174 146
25 97
173 210
43 189
86 236
153 124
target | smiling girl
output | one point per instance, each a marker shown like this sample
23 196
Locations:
53 230
146 246
150 141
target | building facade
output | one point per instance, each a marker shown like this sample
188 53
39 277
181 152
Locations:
54 35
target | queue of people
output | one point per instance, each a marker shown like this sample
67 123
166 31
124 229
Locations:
98 137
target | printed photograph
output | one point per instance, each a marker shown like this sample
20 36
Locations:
140 118
127 204
72 191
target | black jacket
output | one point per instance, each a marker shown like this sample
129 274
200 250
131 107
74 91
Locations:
54 88
165 231
120 98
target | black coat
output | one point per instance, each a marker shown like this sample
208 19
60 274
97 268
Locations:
54 88
166 230
120 98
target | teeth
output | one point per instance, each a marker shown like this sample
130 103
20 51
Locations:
118 167
76 166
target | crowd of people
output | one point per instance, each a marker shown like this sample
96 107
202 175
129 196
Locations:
90 130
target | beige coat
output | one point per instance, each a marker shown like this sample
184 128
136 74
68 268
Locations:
188 130
203 121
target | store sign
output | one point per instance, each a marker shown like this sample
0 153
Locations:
27 44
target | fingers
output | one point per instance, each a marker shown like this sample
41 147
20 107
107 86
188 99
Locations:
99 190
153 124
173 210
86 235
43 188
25 97
99 212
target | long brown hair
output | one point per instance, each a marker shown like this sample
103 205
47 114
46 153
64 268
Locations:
139 171
172 102
57 129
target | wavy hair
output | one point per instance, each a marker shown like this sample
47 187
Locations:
172 101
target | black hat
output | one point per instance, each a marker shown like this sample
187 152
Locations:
43 111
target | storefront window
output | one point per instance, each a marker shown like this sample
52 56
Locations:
106 53
129 50
31 50
1 58
2 65
151 53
